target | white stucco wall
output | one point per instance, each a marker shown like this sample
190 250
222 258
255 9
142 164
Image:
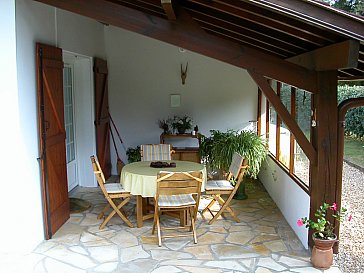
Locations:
143 72
37 22
292 201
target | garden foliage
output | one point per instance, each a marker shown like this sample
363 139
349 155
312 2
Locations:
354 119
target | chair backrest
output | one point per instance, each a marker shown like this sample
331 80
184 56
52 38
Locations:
151 152
174 183
235 165
98 173
237 168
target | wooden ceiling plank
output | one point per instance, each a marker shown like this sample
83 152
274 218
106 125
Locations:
185 32
244 42
346 56
283 113
258 28
262 12
315 13
244 39
263 21
141 6
168 9
259 37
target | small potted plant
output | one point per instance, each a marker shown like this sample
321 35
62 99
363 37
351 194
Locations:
182 124
324 236
133 154
164 125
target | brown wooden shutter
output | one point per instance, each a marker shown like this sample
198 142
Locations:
52 137
102 120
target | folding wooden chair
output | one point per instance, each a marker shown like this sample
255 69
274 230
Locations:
216 188
177 191
114 193
150 152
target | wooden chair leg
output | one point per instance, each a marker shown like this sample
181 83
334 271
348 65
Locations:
230 210
208 207
104 210
116 209
222 209
193 225
155 219
159 231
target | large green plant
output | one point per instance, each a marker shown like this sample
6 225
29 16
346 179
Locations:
218 149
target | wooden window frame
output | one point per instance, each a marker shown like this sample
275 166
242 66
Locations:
288 170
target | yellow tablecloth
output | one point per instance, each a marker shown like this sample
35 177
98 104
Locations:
140 179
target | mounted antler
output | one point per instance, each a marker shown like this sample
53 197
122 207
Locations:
184 73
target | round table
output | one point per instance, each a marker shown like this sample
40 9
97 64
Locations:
141 180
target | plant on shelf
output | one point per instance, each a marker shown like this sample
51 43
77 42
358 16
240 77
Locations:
133 154
324 237
164 124
182 124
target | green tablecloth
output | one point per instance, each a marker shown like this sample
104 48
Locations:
140 179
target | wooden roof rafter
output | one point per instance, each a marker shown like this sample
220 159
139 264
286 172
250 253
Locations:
186 33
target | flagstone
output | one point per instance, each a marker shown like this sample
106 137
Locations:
276 246
305 270
228 251
211 238
166 269
90 219
124 239
182 262
233 265
262 270
261 249
240 237
54 266
104 254
293 262
264 238
61 253
136 266
270 264
200 252
79 250
240 228
133 253
200 269
106 267
266 229
44 246
249 263
169 254
90 240
332 269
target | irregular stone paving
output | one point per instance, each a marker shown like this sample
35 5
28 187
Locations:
262 243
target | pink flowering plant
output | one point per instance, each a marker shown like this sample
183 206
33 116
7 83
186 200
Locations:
324 228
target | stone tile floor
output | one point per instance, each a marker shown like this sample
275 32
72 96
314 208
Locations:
263 242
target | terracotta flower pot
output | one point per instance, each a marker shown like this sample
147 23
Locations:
322 253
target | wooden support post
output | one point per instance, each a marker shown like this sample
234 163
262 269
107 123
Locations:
324 138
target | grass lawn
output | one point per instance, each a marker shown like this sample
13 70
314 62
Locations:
354 151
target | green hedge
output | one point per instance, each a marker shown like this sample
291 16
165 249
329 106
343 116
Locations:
354 119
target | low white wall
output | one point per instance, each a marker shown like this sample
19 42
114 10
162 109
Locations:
293 202
143 72
36 22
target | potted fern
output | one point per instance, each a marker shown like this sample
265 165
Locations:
217 151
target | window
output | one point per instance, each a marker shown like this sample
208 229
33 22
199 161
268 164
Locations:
282 145
68 112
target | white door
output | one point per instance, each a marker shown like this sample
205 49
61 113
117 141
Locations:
68 85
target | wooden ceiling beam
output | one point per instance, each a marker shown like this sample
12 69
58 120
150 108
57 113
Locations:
283 113
169 10
184 32
332 57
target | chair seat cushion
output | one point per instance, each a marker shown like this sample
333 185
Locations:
218 185
176 200
114 188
